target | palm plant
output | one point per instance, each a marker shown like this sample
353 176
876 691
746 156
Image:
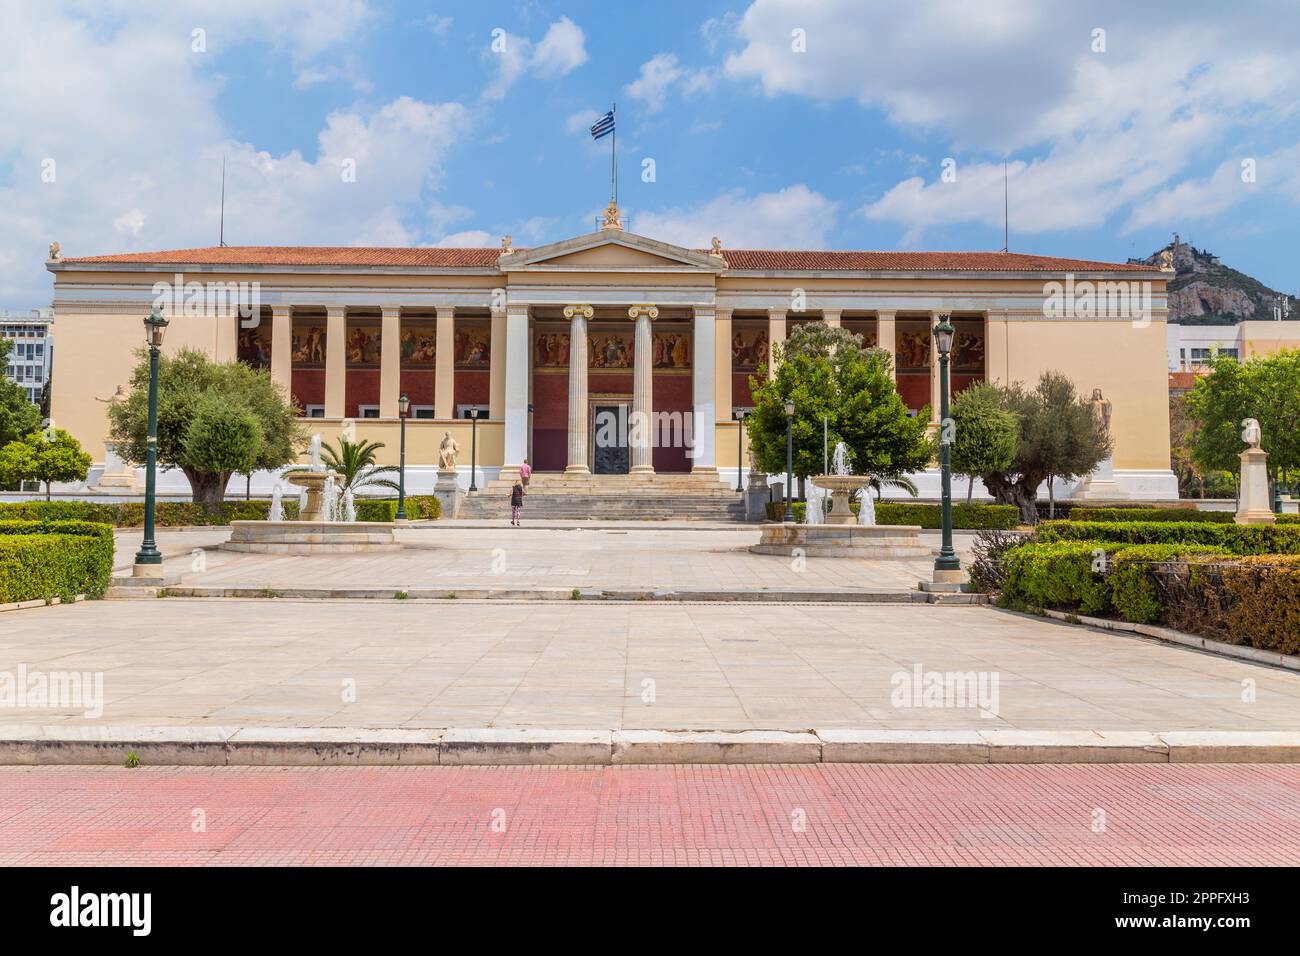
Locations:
355 464
879 483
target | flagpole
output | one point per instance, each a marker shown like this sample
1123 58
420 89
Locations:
613 153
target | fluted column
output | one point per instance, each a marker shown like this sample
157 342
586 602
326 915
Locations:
775 336
390 360
336 368
444 365
885 340
282 347
639 434
578 316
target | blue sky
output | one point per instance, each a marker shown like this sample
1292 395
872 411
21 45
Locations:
780 123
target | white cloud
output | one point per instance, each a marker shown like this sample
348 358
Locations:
792 218
1100 132
660 75
129 178
562 50
473 239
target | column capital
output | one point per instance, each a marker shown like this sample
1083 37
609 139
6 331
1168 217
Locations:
585 311
777 313
649 310
390 310
516 308
336 310
886 313
281 308
446 310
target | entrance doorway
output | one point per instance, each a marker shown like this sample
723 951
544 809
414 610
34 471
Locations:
607 437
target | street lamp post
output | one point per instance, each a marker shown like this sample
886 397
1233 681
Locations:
403 406
947 565
473 449
789 462
148 557
740 415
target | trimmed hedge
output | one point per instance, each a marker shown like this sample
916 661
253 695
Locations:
965 517
1079 513
1229 538
1091 577
1252 600
130 514
40 560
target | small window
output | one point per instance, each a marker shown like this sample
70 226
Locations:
315 411
463 411
422 411
368 411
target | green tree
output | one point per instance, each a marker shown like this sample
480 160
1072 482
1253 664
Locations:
18 415
47 456
829 375
355 463
984 434
1266 389
1057 438
207 412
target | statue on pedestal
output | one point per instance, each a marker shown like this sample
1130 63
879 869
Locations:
1253 505
447 452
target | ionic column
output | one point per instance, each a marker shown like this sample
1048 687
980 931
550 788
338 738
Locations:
496 367
885 340
390 360
578 316
444 364
516 388
336 351
722 359
704 393
282 347
832 317
642 454
775 334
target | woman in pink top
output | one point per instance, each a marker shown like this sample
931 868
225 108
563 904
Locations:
525 472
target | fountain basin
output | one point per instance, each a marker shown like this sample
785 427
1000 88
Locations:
841 488
313 479
884 542
311 537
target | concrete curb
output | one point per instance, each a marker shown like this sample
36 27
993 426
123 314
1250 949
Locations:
22 745
39 602
1240 652
475 593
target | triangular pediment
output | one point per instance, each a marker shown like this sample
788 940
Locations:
610 250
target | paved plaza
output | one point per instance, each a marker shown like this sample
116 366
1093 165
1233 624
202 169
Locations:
846 814
606 666
493 554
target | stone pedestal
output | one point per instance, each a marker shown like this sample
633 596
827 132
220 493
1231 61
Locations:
117 474
1100 485
1254 506
756 497
310 537
447 491
881 542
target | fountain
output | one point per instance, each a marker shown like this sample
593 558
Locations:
326 518
838 532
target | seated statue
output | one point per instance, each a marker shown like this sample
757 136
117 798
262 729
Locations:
447 452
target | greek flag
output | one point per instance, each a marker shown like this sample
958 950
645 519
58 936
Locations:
603 126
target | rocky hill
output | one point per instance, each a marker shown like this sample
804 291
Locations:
1206 292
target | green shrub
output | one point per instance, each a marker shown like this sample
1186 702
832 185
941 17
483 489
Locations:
965 517
1252 600
102 513
1229 538
1132 580
173 514
1079 513
47 559
1288 519
1058 574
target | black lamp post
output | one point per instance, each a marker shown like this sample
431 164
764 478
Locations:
947 559
740 415
148 555
403 406
473 449
789 462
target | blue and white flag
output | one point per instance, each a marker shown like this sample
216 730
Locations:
603 126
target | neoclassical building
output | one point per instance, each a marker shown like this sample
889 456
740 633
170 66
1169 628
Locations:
548 345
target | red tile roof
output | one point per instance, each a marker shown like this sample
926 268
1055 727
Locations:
835 259
309 256
738 259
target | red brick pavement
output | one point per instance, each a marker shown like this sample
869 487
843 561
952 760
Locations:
745 815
